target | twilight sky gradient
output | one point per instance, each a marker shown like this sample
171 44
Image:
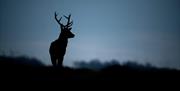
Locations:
139 30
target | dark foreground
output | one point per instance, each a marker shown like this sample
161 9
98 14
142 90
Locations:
11 71
25 73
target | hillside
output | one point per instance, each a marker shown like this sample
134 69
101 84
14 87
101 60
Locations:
13 70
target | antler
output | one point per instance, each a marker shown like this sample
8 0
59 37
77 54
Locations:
57 19
69 23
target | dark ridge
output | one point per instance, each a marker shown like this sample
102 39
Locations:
30 69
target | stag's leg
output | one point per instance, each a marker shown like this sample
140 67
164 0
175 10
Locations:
53 60
60 61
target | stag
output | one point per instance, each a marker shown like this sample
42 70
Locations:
57 48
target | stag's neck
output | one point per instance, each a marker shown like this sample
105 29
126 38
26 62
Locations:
62 39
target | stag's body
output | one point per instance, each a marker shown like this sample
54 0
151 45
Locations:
57 49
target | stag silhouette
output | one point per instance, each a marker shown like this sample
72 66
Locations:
57 48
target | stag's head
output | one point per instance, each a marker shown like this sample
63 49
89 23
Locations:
65 29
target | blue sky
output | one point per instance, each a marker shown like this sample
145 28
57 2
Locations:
139 30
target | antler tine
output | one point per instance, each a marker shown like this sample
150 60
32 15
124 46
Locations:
70 24
55 14
68 18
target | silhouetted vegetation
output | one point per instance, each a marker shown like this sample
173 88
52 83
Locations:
30 69
98 65
9 61
94 64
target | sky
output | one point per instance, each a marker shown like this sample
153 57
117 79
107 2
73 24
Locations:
136 30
